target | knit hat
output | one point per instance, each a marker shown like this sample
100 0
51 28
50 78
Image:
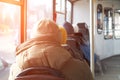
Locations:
63 35
46 28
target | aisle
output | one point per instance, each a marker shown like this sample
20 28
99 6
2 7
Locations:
111 69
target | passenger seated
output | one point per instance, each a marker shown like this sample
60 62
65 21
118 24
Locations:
74 39
44 50
82 39
83 28
71 35
73 51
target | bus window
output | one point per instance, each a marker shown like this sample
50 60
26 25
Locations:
9 30
117 23
108 23
60 11
36 10
68 11
63 11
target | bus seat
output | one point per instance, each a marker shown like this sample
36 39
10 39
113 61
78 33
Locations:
83 28
70 43
74 52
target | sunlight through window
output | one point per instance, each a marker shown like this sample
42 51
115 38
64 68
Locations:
37 10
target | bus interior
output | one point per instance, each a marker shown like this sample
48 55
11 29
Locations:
100 17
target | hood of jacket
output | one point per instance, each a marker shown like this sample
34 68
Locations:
46 29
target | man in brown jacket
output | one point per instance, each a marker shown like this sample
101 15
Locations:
44 49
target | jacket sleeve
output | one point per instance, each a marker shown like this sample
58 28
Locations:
75 69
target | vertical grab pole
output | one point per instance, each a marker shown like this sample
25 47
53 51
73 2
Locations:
54 10
65 10
72 12
23 27
92 36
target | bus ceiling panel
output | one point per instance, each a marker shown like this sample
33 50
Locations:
16 2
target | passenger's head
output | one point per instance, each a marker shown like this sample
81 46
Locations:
46 29
63 35
69 28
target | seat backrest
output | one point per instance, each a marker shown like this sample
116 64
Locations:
72 47
83 28
40 73
72 42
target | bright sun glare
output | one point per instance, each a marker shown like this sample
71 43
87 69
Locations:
39 2
9 11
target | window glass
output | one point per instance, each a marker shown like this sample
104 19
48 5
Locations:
108 23
1 65
37 9
60 19
99 18
68 13
60 6
60 11
9 30
117 24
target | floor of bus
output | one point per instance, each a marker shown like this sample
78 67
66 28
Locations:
110 69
